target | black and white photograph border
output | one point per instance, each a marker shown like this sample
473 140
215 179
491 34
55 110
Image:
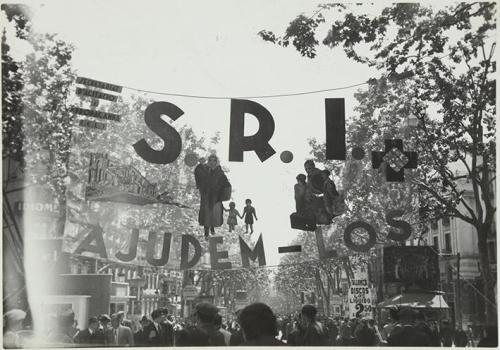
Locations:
249 173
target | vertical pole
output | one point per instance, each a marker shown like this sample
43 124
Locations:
457 302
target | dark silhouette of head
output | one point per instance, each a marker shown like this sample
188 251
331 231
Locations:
309 311
301 178
93 323
258 320
206 312
309 166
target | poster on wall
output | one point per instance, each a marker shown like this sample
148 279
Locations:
360 298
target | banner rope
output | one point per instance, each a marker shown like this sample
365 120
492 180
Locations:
246 97
116 262
300 93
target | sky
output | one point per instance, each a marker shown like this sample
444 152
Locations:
211 48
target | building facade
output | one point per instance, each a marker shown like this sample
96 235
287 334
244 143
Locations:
457 245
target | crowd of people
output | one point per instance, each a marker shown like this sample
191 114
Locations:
255 325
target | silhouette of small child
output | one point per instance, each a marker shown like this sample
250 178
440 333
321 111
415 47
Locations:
300 193
232 220
249 213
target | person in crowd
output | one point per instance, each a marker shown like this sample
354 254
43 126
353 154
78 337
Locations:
214 188
332 331
119 335
309 332
393 320
460 338
422 326
88 337
373 325
259 326
365 335
158 332
219 326
470 336
169 319
12 324
140 337
205 332
74 329
491 338
345 333
102 330
446 334
289 326
178 326
405 333
121 316
236 332
435 333
62 335
128 323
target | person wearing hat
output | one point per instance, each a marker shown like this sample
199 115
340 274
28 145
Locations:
87 337
309 331
158 332
205 333
140 337
121 316
102 330
13 323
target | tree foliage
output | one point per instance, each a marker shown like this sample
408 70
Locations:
436 65
12 84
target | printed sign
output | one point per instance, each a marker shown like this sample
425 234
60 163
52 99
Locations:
115 183
415 267
190 292
360 295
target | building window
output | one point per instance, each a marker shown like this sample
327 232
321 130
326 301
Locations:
447 242
434 225
436 242
446 221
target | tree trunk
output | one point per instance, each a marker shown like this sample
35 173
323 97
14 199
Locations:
488 279
61 217
321 288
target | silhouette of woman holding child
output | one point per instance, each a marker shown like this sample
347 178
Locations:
214 188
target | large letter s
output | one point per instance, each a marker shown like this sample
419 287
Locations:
171 138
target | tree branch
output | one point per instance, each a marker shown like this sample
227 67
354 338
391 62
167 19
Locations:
456 213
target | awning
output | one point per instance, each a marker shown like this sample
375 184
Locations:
415 300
